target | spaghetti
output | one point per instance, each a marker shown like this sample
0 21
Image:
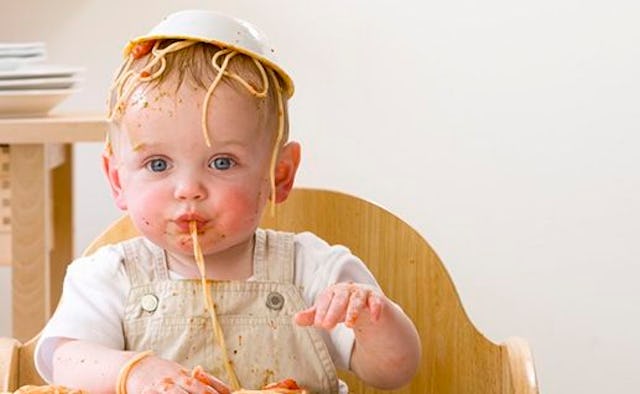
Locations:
121 384
211 308
286 386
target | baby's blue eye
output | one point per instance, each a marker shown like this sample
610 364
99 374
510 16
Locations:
157 165
222 163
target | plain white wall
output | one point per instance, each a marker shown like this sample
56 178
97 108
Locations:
506 132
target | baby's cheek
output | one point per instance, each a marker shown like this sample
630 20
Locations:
151 202
147 205
247 205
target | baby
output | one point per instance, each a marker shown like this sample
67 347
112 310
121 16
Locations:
198 148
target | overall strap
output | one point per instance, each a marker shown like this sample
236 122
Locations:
139 253
280 256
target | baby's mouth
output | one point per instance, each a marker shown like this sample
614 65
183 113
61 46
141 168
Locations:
185 223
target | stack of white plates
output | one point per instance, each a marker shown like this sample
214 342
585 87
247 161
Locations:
30 87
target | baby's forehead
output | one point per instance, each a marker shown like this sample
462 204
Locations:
228 111
172 95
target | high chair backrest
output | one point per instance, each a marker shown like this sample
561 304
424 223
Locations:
456 357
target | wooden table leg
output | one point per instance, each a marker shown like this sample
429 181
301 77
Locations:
30 207
62 252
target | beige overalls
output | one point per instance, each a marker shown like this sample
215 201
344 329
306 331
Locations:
264 345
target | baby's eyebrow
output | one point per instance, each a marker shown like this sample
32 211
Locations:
137 147
231 142
141 147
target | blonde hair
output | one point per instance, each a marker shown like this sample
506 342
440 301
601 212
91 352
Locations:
206 65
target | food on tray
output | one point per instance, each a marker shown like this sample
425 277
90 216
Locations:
287 386
30 389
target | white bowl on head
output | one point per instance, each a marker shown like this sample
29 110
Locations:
219 29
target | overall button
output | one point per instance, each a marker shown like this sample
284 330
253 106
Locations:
149 302
275 301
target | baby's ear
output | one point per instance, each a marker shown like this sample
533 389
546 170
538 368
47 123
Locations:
110 169
286 169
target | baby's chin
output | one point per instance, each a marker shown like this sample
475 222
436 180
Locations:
177 243
181 244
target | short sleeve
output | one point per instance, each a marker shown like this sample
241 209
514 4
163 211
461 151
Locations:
319 265
91 306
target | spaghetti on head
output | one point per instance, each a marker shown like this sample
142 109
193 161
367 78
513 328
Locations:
150 63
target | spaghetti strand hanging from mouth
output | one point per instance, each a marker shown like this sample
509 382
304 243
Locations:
210 306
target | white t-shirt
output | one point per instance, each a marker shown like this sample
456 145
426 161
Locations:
96 289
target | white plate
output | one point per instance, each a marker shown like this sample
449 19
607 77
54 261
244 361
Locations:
37 83
21 54
12 46
41 71
30 102
14 63
9 64
22 51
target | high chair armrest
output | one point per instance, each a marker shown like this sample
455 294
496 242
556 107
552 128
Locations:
522 372
9 360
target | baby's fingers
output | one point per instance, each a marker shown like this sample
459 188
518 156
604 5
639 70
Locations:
210 380
337 308
357 302
305 317
325 304
374 302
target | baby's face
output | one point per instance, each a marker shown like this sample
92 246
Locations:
169 176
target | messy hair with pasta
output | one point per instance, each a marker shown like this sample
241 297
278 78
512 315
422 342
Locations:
151 63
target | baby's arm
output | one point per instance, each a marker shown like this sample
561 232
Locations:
95 368
387 348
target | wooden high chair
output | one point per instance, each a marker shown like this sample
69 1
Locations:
456 358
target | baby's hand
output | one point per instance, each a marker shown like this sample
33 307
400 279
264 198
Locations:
350 303
154 375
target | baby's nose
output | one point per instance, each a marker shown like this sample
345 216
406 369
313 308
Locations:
190 189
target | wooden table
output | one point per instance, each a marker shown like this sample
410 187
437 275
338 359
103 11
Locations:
41 213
